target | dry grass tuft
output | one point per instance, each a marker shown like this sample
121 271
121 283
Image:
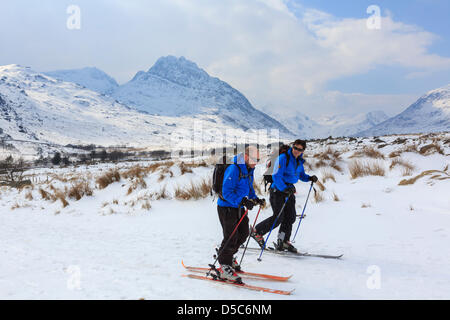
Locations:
360 169
335 197
109 177
318 197
326 175
44 194
320 185
368 152
194 191
408 167
136 183
79 190
59 195
365 205
438 175
430 149
29 196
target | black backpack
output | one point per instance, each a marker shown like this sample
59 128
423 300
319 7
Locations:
219 172
283 149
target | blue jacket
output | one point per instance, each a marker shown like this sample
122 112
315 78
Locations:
235 189
282 175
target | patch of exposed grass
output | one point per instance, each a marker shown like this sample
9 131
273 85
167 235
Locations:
437 175
368 152
327 175
430 149
107 178
360 169
79 190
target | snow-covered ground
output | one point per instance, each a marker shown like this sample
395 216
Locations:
121 244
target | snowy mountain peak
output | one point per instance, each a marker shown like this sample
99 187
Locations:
89 77
430 113
178 87
177 70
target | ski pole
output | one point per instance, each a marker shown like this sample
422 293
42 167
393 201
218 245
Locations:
273 225
304 207
213 266
248 240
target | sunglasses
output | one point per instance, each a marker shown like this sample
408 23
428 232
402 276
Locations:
298 149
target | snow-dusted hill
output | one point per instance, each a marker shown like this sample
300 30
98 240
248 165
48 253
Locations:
430 113
336 125
36 107
347 125
89 77
176 87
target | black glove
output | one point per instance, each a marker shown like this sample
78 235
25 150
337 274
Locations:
261 202
289 191
249 204
313 179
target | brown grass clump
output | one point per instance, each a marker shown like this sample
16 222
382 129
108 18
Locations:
335 166
44 194
138 182
134 172
194 191
184 168
368 152
59 195
360 169
430 149
335 197
162 194
29 196
108 178
320 185
326 175
146 205
79 190
365 205
437 175
408 167
318 197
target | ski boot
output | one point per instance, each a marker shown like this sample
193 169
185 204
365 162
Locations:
226 272
285 245
235 265
257 237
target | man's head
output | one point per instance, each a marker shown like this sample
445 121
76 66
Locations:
298 147
251 156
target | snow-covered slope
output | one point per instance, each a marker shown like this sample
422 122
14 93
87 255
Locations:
177 87
89 77
430 113
36 107
117 244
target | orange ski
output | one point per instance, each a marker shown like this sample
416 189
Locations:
252 275
241 285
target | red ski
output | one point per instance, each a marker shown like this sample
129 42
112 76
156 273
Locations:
241 285
252 275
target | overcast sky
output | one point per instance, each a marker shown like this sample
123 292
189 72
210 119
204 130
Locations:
311 56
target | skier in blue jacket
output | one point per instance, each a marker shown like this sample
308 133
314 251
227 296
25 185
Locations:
285 175
238 194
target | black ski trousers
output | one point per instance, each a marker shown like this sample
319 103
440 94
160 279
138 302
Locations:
229 218
287 218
